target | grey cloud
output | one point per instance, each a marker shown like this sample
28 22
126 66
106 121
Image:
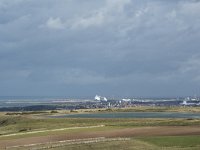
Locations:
127 47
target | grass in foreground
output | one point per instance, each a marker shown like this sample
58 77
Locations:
150 143
111 145
174 141
29 123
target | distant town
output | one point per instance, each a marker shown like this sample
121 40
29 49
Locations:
96 102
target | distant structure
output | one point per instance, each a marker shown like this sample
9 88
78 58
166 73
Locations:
184 102
100 98
126 100
190 103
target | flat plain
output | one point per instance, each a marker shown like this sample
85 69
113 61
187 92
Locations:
32 130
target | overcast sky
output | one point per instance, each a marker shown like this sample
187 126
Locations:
107 47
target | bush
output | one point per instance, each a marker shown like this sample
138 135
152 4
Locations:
54 111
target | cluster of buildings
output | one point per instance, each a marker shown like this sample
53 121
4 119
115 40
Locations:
127 102
98 102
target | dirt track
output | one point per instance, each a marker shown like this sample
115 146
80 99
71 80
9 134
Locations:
61 129
128 132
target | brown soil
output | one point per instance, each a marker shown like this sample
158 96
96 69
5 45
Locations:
128 132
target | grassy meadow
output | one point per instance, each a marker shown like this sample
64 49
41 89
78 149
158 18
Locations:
30 126
143 143
18 124
149 143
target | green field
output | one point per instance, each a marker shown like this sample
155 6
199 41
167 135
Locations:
174 141
16 124
150 143
33 125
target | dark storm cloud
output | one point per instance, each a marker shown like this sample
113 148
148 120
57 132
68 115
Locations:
124 47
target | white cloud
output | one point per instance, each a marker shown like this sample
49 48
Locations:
95 20
116 5
55 23
111 11
7 3
191 8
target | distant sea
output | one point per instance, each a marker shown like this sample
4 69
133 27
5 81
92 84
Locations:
20 101
29 97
